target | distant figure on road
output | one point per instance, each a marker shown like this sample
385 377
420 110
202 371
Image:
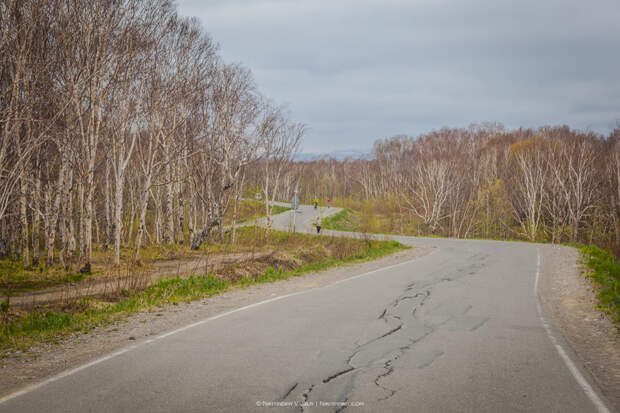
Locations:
315 202
318 225
328 202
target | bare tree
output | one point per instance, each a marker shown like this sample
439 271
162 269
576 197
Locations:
428 185
229 143
280 142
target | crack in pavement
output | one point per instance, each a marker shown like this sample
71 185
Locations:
340 373
306 396
341 408
289 391
414 296
389 370
392 331
479 324
426 294
387 315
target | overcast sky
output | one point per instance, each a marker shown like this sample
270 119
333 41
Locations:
358 70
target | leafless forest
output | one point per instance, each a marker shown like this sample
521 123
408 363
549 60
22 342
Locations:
551 184
120 124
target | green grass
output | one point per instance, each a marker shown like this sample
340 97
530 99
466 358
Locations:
251 209
345 220
278 209
89 313
352 221
605 271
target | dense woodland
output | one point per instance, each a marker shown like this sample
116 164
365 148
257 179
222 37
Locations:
550 184
120 124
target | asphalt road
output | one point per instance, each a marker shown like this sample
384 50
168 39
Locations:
457 330
300 220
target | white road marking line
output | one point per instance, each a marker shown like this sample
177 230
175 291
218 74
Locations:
67 373
592 395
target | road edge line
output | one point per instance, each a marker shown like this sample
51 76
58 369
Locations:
124 350
572 367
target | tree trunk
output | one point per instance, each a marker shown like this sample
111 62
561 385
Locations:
24 222
203 234
181 217
118 212
4 237
180 205
108 220
70 242
81 228
144 200
158 214
35 219
169 234
88 226
54 216
132 214
238 187
14 239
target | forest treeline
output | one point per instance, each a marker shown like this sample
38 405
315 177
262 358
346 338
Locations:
121 124
548 184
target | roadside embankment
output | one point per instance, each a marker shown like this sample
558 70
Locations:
290 255
570 299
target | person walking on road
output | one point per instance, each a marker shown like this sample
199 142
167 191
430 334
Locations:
318 225
315 202
328 202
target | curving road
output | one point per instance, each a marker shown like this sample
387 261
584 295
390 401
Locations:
458 330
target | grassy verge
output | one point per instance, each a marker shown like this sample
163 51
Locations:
345 220
20 331
367 220
604 271
251 209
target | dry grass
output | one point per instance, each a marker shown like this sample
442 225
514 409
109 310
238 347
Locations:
132 289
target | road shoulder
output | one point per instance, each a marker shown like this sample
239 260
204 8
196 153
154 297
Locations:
38 363
569 299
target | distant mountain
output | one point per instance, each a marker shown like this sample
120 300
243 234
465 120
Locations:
337 155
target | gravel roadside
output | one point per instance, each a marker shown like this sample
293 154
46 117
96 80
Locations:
569 299
567 296
22 369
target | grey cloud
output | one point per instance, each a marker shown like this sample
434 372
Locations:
357 70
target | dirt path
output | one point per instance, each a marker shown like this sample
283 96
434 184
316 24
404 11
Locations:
570 300
113 284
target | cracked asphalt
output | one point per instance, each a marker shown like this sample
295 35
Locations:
454 331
